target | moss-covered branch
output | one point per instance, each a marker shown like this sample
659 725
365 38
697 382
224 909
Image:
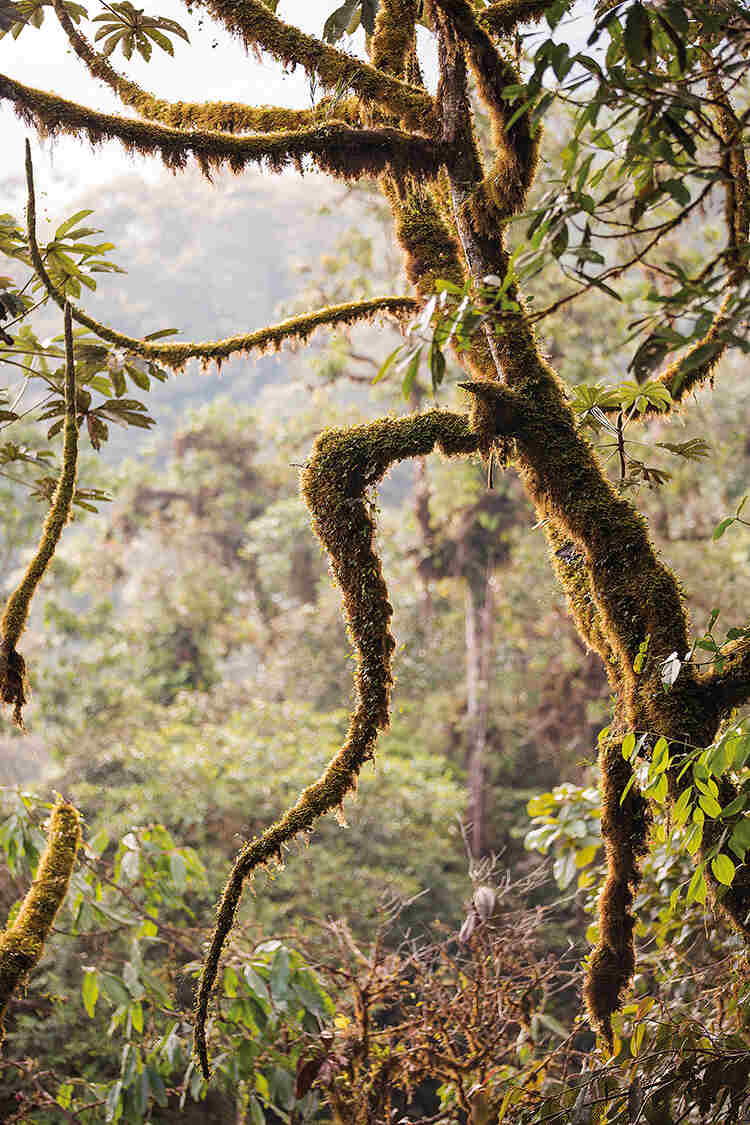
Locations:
225 117
503 192
295 330
13 684
22 944
255 24
337 149
344 464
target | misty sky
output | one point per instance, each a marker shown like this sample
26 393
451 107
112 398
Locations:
42 58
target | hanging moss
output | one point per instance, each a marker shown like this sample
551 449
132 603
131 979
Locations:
256 25
344 464
393 40
340 150
13 681
22 944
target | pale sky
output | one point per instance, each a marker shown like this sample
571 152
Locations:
42 58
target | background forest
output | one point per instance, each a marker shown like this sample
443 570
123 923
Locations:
421 959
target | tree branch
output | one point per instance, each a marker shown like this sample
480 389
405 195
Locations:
336 149
730 687
13 686
503 17
22 944
226 117
256 25
513 170
344 464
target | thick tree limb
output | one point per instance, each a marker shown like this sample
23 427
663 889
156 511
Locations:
256 25
513 170
337 149
225 117
344 464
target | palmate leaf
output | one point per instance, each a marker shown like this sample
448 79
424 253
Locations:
128 27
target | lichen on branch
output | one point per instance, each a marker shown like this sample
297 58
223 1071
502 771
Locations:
343 466
22 943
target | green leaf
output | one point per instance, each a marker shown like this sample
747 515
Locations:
697 888
638 38
437 366
411 373
723 869
721 527
136 1016
68 225
90 990
387 364
710 805
628 746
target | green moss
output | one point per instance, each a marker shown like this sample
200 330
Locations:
504 16
21 945
335 148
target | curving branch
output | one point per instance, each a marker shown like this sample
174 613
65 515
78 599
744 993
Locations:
22 944
295 330
225 117
256 25
343 466
335 148
13 683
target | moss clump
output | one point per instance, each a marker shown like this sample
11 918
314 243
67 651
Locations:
21 945
344 464
504 16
